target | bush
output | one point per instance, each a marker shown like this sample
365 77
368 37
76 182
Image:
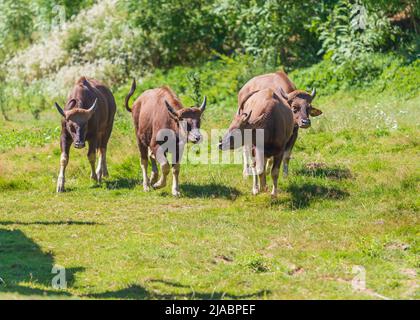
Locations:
351 31
376 71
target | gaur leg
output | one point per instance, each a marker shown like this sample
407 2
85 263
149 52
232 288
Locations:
262 177
288 151
155 173
102 169
275 173
164 166
144 159
258 171
64 160
103 146
92 160
175 179
247 163
268 166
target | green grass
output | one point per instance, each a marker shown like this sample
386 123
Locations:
351 200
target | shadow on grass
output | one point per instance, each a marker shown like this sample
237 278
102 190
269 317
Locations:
49 223
121 183
140 293
22 260
322 171
303 194
212 190
14 185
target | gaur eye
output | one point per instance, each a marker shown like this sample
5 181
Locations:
296 109
72 128
188 127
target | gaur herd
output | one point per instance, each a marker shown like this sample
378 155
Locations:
268 103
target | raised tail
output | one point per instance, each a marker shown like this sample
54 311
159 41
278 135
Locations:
127 98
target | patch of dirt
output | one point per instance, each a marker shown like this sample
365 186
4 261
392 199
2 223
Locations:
379 222
295 270
222 259
397 246
280 243
411 273
315 165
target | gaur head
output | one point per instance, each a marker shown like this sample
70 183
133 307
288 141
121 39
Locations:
300 102
76 121
189 120
240 122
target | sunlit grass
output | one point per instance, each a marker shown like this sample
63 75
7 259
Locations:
351 200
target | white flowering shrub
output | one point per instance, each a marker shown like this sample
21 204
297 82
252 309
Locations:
93 44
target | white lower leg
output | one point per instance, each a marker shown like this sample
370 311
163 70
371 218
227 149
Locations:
162 181
255 188
175 180
155 174
275 177
103 162
61 176
143 165
275 174
247 171
258 170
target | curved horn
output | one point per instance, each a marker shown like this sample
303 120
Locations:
93 107
313 93
203 105
59 109
284 94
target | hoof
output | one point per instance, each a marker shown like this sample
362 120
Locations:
146 188
176 193
154 178
60 185
159 185
255 191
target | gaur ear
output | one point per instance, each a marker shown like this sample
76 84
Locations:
71 104
59 109
315 112
171 111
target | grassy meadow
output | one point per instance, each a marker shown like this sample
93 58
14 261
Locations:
351 199
346 222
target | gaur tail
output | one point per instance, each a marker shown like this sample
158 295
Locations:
127 98
241 106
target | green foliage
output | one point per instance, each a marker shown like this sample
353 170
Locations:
195 87
376 71
351 31
24 21
15 25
